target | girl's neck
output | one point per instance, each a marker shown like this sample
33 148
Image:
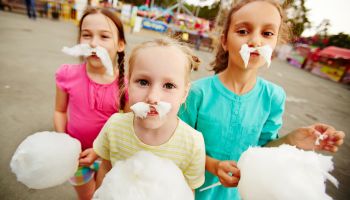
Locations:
155 137
98 74
239 81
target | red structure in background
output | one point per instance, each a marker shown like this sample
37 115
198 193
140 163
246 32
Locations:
335 53
332 63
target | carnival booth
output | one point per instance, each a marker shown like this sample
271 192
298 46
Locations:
299 54
332 63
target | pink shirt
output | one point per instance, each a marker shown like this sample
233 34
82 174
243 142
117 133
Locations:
90 104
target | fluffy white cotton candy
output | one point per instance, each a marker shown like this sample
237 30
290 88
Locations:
78 50
46 159
320 137
264 51
284 172
163 108
245 54
141 109
85 50
144 176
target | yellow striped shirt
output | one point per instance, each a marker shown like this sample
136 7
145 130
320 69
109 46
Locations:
118 141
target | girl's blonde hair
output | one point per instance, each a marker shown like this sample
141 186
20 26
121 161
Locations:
192 60
221 59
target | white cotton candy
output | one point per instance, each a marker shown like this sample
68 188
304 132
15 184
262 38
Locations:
245 54
320 137
140 109
163 108
46 159
144 176
102 53
85 50
284 172
265 51
78 50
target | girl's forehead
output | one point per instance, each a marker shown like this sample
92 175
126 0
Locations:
257 12
98 21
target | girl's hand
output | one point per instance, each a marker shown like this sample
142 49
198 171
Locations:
228 173
305 138
87 157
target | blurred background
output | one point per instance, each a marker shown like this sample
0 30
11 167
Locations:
313 68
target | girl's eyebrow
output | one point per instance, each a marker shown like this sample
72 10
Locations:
241 24
102 31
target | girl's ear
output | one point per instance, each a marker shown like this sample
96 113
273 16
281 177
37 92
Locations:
223 42
187 89
121 46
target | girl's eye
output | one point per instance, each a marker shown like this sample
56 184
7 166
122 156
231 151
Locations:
242 32
169 86
85 35
143 82
268 33
105 36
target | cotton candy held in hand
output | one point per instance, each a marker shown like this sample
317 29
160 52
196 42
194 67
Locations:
284 172
144 176
46 159
85 50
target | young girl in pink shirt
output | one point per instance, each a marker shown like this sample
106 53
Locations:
86 95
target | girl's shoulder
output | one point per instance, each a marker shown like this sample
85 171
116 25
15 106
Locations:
272 91
70 69
203 82
270 87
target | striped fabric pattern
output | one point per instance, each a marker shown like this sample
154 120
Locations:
118 141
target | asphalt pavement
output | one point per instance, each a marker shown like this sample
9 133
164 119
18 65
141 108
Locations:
30 53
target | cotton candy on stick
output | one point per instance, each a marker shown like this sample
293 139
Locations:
85 50
284 172
144 176
46 159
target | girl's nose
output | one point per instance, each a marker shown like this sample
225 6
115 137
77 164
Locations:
254 41
94 42
153 96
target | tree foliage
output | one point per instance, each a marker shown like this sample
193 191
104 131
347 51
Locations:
297 14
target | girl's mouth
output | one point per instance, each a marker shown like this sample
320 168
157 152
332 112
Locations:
152 111
254 54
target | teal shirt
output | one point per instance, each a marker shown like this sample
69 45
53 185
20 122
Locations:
230 123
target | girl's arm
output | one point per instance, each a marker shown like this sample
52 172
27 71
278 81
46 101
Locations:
60 114
226 171
104 168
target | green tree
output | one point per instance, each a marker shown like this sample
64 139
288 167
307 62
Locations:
340 40
297 14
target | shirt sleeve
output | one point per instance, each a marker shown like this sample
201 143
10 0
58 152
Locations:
274 121
61 77
101 143
189 110
194 174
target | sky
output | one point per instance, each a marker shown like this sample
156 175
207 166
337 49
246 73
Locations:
337 11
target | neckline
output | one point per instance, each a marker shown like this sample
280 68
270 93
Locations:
230 94
152 146
94 82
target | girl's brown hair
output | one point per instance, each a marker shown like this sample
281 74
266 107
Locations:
221 59
121 55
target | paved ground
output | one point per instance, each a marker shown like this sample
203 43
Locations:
30 54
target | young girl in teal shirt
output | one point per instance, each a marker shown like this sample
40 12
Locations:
235 109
